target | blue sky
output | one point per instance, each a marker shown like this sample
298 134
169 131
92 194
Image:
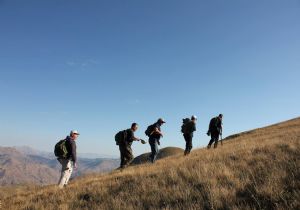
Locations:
98 66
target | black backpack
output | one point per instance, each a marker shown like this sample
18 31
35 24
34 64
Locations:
149 130
213 124
185 127
60 149
120 137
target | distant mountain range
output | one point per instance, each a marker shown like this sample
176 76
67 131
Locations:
31 151
22 165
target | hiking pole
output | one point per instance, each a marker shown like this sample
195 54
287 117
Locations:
221 140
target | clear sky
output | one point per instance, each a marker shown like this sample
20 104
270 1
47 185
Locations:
99 65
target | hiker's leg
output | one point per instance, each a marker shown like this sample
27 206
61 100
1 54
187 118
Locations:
210 142
65 172
190 144
152 155
186 144
185 139
216 139
216 144
152 146
63 166
155 149
121 156
128 155
70 166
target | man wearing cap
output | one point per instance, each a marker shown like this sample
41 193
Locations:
71 161
215 130
189 133
154 138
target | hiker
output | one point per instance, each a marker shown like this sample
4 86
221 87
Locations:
125 142
70 160
188 128
215 130
154 133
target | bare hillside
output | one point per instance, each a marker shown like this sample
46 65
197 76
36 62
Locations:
259 169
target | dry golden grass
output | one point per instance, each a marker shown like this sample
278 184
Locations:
255 170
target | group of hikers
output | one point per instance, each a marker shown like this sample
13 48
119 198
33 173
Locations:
65 150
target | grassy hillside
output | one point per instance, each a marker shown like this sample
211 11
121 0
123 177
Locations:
254 170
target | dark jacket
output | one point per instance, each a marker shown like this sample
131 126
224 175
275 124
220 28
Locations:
215 125
129 137
191 128
155 135
71 147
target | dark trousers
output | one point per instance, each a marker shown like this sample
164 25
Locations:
126 155
154 149
214 138
188 143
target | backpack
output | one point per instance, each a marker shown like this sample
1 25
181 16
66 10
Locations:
149 130
120 137
185 127
60 149
213 124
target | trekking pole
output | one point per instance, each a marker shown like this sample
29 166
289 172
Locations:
221 140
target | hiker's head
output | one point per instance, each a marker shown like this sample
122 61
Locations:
221 116
134 126
74 134
194 118
161 121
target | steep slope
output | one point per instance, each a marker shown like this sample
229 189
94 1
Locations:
255 170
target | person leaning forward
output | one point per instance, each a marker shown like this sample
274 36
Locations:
189 133
125 146
215 130
154 139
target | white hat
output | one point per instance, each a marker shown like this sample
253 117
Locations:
74 132
194 117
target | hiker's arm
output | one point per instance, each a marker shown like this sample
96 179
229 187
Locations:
220 126
194 127
131 136
73 153
156 130
136 139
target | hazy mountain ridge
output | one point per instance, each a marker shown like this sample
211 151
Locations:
23 165
18 168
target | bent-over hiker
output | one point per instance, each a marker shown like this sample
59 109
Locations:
124 139
215 130
188 128
154 133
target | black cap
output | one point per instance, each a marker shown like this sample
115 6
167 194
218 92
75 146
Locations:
161 120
